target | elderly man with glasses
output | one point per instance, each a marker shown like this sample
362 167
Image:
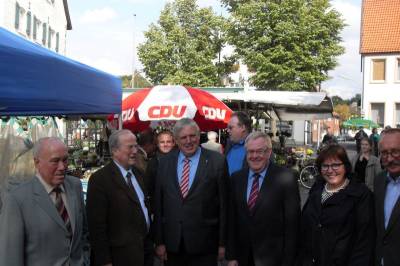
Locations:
387 200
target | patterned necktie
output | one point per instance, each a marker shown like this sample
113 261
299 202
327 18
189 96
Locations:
184 185
253 192
60 206
129 180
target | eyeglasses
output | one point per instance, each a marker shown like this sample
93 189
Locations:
393 153
334 166
257 152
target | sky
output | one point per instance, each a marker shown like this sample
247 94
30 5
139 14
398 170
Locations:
105 34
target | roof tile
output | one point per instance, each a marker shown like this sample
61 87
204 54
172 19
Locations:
380 26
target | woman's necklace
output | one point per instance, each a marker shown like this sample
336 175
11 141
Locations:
346 181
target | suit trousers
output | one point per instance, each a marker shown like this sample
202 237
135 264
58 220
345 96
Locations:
182 258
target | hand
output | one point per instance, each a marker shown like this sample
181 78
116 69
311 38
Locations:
161 252
233 263
221 253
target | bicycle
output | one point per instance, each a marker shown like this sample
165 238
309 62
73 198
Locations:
307 172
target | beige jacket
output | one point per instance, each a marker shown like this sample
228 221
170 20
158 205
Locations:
373 169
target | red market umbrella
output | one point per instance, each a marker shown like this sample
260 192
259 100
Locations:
164 105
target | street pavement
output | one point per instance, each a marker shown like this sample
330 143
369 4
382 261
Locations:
350 147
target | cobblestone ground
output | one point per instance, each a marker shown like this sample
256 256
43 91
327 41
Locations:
350 147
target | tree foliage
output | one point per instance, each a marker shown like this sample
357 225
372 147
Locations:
343 110
289 44
140 81
184 46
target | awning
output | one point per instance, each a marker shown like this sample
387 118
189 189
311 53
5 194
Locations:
37 81
287 105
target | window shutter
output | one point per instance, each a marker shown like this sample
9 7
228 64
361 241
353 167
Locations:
57 41
378 69
44 33
28 23
35 22
17 10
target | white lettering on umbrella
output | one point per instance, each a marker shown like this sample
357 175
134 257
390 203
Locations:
213 113
166 111
128 114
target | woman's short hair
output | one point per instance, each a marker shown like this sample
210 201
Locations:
334 151
367 140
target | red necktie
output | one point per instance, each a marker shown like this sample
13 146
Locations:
184 185
253 192
60 206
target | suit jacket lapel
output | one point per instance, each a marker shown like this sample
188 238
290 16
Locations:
264 186
45 202
200 171
380 191
174 171
120 181
242 187
71 196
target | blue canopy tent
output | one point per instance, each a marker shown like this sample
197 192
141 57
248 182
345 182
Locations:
37 81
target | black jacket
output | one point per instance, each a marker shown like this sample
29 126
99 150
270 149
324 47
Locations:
340 231
270 232
388 239
199 219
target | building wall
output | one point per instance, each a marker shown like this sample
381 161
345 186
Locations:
50 13
386 92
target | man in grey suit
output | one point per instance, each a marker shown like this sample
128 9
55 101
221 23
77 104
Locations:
387 201
190 202
43 221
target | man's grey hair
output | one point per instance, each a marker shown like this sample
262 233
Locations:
258 134
113 140
212 135
38 146
184 122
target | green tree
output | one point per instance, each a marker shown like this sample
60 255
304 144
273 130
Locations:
184 46
289 44
140 81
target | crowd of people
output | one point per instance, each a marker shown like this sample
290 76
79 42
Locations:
200 205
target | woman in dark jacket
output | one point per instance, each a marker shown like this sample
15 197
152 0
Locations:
337 224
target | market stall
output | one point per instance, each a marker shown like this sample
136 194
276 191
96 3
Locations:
38 82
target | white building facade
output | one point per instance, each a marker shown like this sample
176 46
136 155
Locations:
381 88
44 22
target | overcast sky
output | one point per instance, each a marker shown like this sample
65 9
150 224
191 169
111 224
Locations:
104 33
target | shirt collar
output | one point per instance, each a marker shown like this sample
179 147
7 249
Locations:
47 187
391 179
122 169
262 173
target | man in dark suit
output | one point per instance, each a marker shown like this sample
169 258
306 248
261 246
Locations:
117 214
264 210
190 202
387 200
43 220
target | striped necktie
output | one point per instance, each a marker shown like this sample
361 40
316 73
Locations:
184 185
253 192
60 206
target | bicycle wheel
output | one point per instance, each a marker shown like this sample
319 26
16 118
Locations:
308 175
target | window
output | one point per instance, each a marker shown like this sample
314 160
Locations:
35 24
378 113
28 23
378 69
397 115
49 38
57 41
398 69
17 13
44 35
